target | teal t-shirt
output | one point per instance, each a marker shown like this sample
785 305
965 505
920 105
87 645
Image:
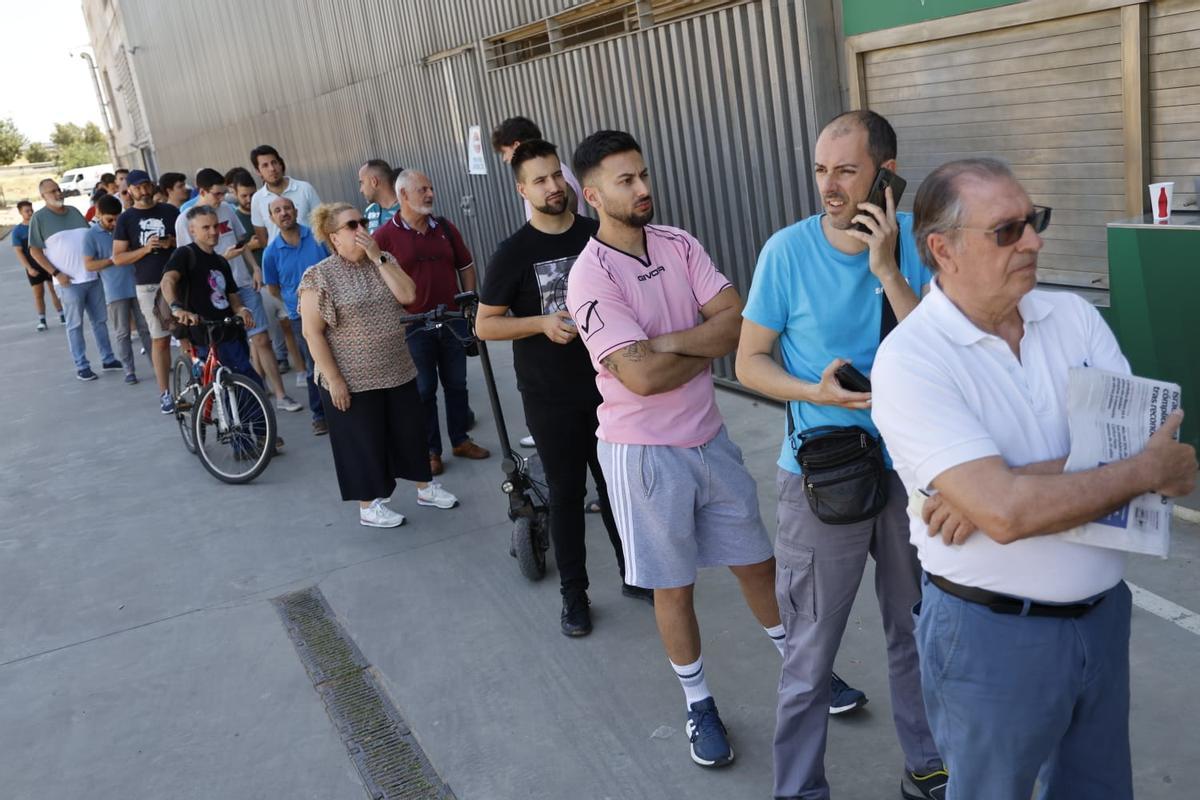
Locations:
825 304
378 215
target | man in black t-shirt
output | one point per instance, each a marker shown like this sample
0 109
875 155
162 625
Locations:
524 299
198 284
144 236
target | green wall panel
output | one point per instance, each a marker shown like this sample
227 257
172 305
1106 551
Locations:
860 16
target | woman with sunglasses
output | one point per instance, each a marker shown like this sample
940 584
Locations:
351 305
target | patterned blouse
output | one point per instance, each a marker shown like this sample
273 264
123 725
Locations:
362 319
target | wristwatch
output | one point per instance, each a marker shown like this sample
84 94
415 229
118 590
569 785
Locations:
383 258
176 307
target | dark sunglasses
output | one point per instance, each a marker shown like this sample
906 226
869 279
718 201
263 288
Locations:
354 224
1010 232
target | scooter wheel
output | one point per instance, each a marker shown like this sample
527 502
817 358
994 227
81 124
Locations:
531 559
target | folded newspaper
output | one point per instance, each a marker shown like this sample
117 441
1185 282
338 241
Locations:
1111 417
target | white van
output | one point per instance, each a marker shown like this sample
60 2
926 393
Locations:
83 179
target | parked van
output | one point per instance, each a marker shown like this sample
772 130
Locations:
82 180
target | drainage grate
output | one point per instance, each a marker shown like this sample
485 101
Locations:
390 761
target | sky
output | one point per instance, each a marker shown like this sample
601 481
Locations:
55 86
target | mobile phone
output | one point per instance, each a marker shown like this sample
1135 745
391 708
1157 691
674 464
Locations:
883 179
245 240
851 379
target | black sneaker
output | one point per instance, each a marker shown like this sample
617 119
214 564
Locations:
924 787
576 617
638 593
114 364
843 697
86 374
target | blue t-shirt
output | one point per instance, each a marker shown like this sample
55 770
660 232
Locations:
284 265
118 280
20 237
825 305
183 209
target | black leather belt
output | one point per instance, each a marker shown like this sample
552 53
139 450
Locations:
1006 604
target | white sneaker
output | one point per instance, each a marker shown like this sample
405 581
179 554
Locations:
301 380
527 442
377 515
286 403
434 495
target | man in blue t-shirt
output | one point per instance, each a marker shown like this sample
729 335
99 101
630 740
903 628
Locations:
39 279
120 287
819 291
284 263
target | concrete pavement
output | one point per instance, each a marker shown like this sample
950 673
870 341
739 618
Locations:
140 656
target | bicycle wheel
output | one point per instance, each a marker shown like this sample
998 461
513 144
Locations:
233 426
184 389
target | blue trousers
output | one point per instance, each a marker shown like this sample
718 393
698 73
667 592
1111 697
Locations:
439 354
78 298
1012 700
314 394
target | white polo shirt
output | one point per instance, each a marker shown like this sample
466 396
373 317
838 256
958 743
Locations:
302 195
945 393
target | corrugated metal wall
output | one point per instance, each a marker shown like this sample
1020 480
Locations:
1175 97
717 101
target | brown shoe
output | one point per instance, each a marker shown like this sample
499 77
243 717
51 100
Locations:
469 449
435 464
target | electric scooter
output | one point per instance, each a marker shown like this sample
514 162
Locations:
524 483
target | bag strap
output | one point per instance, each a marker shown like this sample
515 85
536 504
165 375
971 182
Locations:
887 320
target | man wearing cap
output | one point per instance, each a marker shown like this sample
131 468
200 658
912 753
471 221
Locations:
144 236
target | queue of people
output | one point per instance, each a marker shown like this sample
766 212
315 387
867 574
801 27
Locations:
1007 648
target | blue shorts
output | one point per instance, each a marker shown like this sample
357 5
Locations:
681 508
252 300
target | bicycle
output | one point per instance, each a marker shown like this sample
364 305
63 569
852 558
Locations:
223 416
528 507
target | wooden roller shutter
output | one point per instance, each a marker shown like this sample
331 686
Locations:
1175 97
1046 97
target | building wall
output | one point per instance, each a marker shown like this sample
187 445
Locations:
874 15
726 104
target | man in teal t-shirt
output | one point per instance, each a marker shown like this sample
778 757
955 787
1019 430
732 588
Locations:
377 184
818 291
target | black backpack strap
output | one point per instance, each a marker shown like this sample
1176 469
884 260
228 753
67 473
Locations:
887 320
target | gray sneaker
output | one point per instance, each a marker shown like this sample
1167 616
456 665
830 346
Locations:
286 403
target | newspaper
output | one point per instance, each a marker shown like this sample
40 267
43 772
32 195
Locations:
1111 417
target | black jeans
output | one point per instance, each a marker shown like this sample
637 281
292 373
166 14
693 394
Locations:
565 432
439 353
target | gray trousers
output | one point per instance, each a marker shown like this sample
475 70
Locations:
120 312
819 569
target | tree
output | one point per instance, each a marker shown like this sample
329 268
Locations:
66 133
36 153
11 142
82 154
91 134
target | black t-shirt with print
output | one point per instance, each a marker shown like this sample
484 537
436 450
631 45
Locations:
136 226
205 285
528 273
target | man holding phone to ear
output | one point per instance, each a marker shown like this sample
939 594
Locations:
231 244
827 292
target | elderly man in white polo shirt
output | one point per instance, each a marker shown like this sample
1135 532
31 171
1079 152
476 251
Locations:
1023 636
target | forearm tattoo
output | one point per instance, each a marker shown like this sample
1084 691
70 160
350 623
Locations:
634 352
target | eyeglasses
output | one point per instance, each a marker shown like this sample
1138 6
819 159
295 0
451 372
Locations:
1009 233
354 224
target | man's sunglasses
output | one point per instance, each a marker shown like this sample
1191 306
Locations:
354 224
1010 232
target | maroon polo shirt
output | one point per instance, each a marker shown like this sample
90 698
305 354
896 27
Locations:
432 259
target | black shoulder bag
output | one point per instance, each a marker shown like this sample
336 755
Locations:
842 467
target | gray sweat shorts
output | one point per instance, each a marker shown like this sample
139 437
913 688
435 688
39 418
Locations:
681 508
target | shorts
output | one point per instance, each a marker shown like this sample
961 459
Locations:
145 299
41 277
681 508
252 300
274 308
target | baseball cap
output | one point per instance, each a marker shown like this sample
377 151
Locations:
136 177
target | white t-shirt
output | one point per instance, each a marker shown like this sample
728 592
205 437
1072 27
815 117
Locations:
65 251
945 393
573 182
302 195
231 232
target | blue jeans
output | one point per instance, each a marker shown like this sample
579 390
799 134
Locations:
437 354
1012 700
314 394
236 356
89 297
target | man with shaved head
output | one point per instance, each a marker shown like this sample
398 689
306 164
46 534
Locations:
377 184
433 253
828 293
284 262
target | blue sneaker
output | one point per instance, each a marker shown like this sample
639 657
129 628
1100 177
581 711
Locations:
844 698
167 405
86 374
111 365
706 732
130 379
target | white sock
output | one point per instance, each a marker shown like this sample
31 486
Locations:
778 636
691 677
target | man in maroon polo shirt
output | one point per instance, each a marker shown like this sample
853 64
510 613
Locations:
432 252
